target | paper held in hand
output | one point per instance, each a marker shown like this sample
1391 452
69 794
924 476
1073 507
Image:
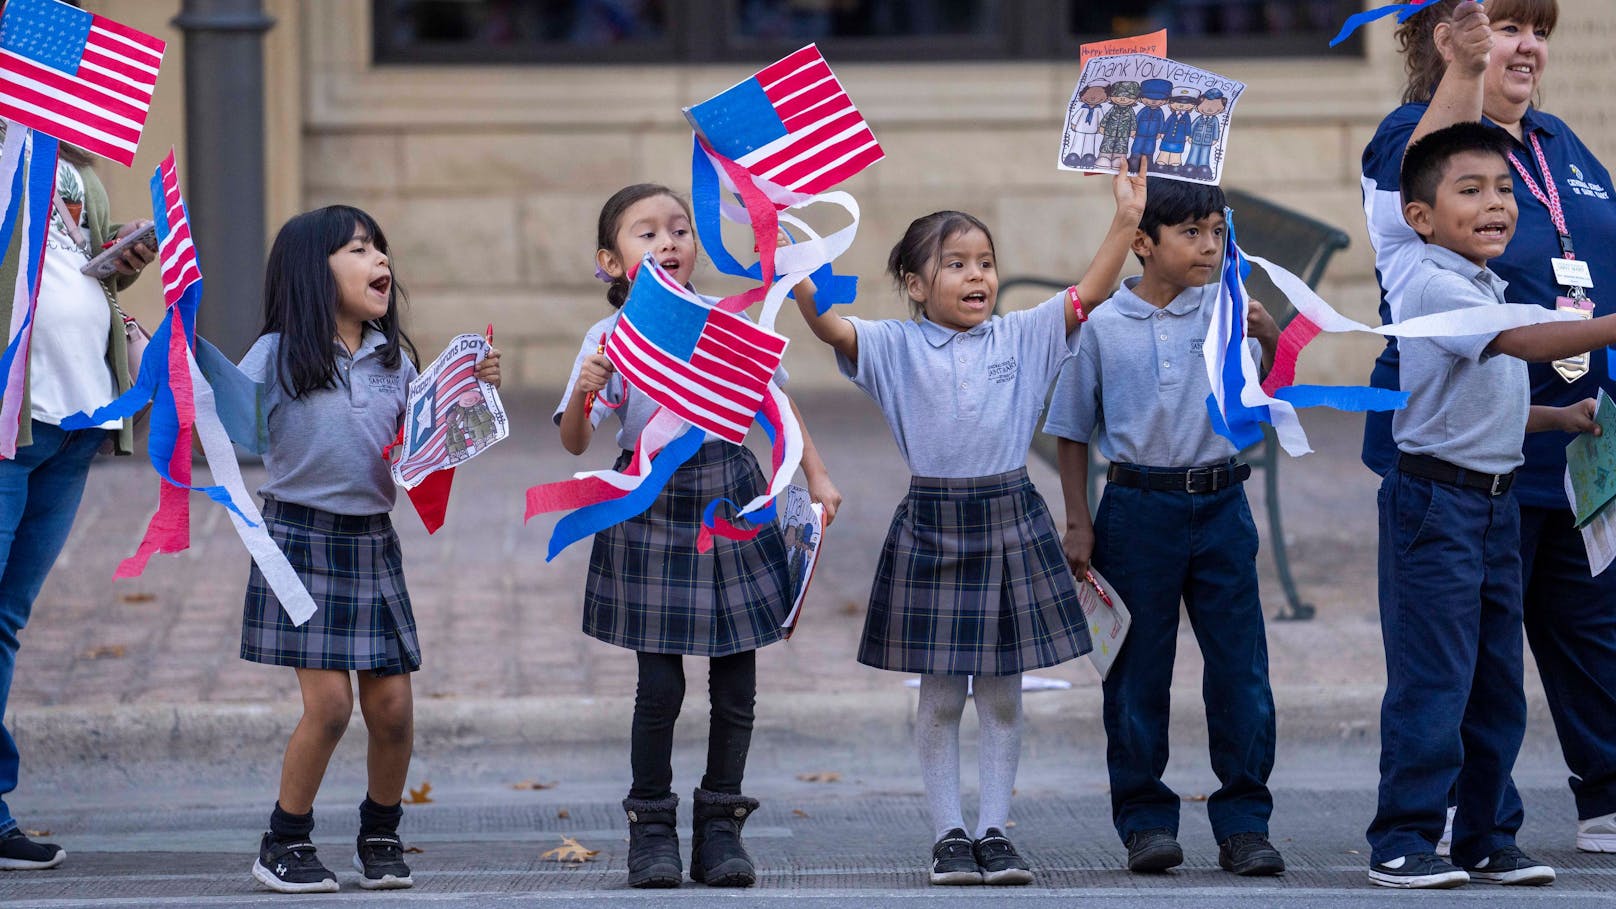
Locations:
1108 619
802 523
1590 482
451 417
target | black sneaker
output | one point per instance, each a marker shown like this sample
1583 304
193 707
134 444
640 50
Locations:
1510 865
1423 871
953 860
999 861
1153 850
379 859
1250 855
291 867
19 853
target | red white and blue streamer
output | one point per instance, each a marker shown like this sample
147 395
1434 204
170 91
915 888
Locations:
27 185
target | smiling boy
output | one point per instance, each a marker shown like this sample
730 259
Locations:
1173 525
1454 712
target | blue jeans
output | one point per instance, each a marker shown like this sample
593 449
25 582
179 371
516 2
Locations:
1455 711
39 496
1157 548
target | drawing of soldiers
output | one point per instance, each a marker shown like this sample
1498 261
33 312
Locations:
1118 125
1153 94
1085 125
1205 133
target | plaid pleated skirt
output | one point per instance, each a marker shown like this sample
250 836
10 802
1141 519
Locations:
972 581
352 567
649 590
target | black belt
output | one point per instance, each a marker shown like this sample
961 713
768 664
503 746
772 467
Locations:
1194 480
1494 484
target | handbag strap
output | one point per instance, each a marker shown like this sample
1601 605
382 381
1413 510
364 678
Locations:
73 229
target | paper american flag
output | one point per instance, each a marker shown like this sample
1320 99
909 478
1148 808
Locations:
80 77
710 367
175 252
429 424
791 124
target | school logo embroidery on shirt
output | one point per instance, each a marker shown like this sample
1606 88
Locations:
1582 187
1002 371
1197 344
385 381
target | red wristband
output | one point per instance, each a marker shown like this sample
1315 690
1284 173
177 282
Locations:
1077 304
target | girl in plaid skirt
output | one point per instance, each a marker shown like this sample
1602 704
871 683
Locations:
651 591
333 362
972 582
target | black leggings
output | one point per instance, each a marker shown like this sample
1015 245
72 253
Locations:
732 687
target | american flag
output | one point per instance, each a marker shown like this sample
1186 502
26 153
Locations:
428 449
77 76
176 253
710 367
791 124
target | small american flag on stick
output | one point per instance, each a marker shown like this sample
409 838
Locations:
80 77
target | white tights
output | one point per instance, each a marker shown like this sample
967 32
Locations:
998 711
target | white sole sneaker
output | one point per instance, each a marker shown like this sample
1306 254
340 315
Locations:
1597 834
387 881
1535 876
268 879
1443 881
956 878
7 864
1009 877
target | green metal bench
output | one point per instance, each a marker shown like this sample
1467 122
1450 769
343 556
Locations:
1303 245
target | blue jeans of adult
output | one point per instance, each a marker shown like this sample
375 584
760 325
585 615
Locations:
1157 548
1455 710
40 491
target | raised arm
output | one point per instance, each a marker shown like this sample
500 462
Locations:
1549 341
830 327
1106 267
1464 42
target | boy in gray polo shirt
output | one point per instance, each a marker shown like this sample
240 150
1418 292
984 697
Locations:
1450 564
1173 524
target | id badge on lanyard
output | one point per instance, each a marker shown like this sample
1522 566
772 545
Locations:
1569 272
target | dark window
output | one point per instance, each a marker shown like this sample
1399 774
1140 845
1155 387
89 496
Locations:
707 31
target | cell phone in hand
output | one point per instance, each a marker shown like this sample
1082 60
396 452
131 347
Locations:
105 265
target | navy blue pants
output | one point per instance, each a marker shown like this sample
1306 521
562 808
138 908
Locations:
1571 626
1454 712
1158 548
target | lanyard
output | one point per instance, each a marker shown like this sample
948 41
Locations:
1550 197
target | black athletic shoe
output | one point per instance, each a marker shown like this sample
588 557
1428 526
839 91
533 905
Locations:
1510 865
292 867
1250 855
953 860
19 853
999 861
379 859
1153 850
1423 871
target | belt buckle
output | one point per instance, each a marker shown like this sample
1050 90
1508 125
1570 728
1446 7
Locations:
1189 478
1500 483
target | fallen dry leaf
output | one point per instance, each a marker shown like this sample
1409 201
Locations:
562 814
570 850
1009 825
113 651
414 850
1354 852
36 834
852 607
532 785
137 597
820 776
1197 797
798 812
420 796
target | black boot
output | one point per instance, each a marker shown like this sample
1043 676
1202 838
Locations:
653 842
717 857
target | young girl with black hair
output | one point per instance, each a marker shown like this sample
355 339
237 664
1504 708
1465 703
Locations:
650 590
336 367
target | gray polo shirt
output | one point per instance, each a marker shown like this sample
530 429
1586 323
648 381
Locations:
325 448
1138 387
962 404
1465 406
634 410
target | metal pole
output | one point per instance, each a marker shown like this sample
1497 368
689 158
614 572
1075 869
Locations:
224 162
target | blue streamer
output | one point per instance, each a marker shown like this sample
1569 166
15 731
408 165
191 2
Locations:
763 515
1403 11
592 519
705 197
41 188
1351 398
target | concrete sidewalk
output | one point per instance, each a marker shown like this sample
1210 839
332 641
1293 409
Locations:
148 668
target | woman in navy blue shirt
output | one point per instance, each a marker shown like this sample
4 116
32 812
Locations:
1466 65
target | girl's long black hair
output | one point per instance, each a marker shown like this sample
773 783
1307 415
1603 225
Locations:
300 297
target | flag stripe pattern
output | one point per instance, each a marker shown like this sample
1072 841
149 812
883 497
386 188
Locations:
28 170
791 124
433 453
710 367
77 76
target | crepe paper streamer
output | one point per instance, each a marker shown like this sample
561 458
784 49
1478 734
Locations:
429 497
1403 12
271 561
713 524
28 179
591 519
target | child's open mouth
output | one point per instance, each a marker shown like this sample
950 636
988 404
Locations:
976 298
669 265
1493 231
382 285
